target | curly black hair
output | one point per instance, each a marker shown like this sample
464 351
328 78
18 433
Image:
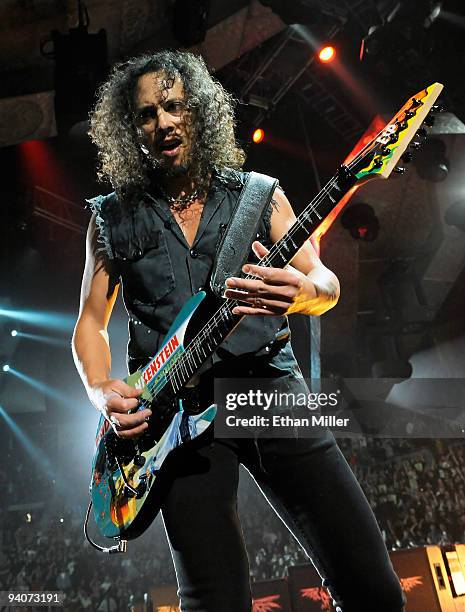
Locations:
211 109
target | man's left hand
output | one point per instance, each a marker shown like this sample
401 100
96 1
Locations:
274 290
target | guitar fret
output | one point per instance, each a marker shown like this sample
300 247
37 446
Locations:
221 324
329 195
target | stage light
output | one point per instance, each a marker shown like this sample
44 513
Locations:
36 454
258 135
6 367
81 65
455 215
14 333
361 221
392 368
42 387
51 320
431 161
52 340
28 517
400 31
327 54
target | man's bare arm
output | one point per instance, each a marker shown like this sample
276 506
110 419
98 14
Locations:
91 349
306 286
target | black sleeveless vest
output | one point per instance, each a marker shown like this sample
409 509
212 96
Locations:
159 271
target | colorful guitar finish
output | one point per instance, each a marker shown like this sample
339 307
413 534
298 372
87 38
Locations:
116 506
124 488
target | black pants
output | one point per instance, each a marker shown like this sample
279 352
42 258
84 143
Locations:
311 487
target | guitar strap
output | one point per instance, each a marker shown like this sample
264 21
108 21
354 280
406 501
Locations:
241 230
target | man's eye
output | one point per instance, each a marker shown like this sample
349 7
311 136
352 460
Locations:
175 107
146 114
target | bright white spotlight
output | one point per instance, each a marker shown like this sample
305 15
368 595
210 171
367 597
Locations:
6 367
14 333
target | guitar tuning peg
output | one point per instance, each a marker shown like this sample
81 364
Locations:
399 170
422 133
415 145
429 120
438 108
407 157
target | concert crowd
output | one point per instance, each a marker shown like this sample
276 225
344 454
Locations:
416 488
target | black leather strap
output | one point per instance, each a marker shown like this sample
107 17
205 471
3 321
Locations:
242 229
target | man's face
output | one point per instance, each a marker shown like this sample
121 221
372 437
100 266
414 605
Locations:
162 118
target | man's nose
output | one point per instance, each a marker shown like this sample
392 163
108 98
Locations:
164 120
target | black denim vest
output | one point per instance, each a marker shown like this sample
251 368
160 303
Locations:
159 271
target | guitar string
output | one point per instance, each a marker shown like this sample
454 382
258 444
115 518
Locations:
224 312
275 251
184 360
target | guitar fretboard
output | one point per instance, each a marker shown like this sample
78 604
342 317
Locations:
223 322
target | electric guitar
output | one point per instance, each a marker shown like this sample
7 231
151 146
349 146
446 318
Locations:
125 473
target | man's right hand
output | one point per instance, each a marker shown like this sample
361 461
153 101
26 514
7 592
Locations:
114 399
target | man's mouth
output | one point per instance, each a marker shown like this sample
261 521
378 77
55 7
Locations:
170 147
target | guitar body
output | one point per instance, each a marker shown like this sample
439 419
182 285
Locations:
118 511
124 488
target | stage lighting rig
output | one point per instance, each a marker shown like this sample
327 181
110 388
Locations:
403 28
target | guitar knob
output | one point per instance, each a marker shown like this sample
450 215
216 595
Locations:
399 170
139 460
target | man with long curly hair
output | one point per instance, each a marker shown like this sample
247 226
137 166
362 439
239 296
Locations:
164 129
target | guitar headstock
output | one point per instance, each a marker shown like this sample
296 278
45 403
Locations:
382 155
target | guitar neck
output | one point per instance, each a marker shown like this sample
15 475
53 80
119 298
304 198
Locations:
283 251
223 322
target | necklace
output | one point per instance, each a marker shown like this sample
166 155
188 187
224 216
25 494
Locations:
180 204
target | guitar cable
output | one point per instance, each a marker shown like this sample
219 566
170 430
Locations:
121 547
